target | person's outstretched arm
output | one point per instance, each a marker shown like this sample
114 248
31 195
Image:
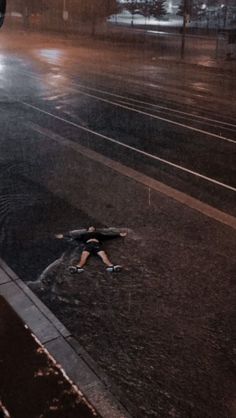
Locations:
112 234
76 233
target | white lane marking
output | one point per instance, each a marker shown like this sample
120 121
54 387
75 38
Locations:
172 122
146 154
188 116
169 109
151 115
149 182
221 123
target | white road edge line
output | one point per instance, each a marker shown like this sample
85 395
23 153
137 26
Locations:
146 154
147 181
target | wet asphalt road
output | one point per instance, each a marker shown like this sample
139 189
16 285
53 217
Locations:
162 331
179 129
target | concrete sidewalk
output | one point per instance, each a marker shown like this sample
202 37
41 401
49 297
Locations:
32 384
61 345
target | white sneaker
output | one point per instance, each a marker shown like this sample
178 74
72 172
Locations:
114 269
75 269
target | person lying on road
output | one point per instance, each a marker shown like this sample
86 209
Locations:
92 244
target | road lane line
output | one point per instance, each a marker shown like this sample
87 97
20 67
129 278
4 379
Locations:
143 102
136 83
146 154
191 115
172 122
147 181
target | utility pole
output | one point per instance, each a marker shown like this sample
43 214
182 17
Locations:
2 11
185 18
65 14
225 9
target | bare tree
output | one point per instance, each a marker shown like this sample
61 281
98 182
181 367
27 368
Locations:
132 7
93 11
155 8
158 8
145 9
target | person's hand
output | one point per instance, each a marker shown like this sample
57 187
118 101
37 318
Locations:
123 234
59 236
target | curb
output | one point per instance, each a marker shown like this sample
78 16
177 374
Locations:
59 342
